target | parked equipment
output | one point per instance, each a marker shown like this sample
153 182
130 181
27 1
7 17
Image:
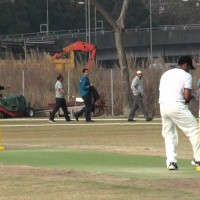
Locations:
15 106
59 59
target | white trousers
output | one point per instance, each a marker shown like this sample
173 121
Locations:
178 114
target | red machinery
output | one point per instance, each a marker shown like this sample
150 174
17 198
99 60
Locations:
59 59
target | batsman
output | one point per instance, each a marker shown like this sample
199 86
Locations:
175 93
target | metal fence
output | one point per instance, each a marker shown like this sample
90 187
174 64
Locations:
54 35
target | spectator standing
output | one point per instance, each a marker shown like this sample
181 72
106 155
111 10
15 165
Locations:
137 88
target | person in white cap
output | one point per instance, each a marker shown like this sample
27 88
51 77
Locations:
137 88
175 92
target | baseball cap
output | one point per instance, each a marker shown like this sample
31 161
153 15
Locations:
186 60
139 72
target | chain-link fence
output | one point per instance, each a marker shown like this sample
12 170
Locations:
36 77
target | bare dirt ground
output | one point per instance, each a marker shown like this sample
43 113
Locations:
35 183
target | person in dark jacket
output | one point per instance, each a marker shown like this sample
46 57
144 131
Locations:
85 92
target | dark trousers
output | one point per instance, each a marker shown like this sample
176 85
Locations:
60 103
87 108
138 103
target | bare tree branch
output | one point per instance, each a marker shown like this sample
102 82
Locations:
121 18
105 14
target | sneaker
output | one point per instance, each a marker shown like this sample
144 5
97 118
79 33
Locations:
195 163
69 120
52 121
173 166
149 119
76 117
131 120
89 120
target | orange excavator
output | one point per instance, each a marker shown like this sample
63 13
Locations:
60 60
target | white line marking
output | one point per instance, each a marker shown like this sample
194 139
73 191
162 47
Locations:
82 119
93 124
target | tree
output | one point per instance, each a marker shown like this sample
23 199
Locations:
173 12
118 27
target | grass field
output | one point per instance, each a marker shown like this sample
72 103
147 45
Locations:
108 159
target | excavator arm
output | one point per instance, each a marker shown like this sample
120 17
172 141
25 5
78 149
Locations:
78 46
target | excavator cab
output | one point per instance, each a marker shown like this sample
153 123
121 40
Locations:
64 62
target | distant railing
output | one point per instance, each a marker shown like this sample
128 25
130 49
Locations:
52 35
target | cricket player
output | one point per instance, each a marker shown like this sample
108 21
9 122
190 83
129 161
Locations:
175 92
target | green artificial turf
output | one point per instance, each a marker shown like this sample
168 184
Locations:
137 166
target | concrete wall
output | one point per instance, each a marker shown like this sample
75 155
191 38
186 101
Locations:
169 41
165 43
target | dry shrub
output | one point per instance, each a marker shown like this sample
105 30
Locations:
103 80
151 80
40 77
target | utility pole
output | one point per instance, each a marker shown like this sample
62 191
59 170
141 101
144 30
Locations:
47 17
151 45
